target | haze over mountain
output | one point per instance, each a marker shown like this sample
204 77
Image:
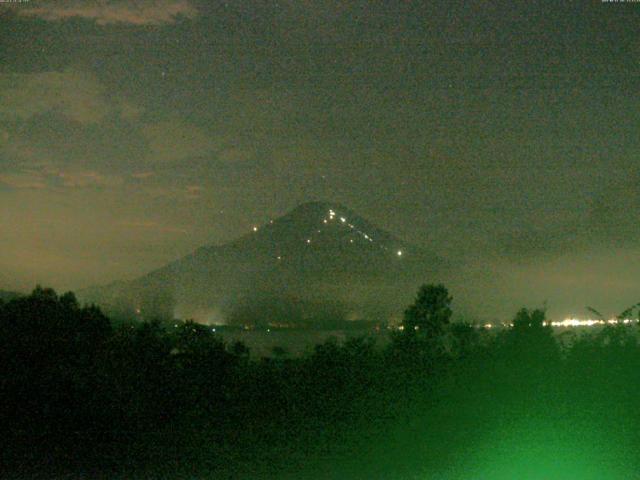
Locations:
316 265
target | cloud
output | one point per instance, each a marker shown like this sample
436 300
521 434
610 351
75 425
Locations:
50 177
84 179
142 175
175 140
129 111
76 94
151 225
105 12
613 213
22 181
193 192
531 244
236 155
55 139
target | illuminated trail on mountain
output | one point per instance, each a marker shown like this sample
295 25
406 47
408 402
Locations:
343 221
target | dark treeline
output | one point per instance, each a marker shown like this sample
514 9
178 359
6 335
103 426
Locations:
82 398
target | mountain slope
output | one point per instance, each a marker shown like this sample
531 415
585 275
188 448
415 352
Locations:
319 261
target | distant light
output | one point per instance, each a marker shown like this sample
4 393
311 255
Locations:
255 229
279 257
268 330
213 329
324 221
576 322
488 325
175 325
308 240
342 219
399 253
351 240
271 221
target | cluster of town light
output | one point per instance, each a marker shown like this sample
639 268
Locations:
343 220
576 322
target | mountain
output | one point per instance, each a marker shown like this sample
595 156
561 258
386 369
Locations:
318 263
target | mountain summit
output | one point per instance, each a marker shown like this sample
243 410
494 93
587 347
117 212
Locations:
319 261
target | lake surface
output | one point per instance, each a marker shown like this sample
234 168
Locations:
300 342
295 342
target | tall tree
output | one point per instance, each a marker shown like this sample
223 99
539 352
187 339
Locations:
430 312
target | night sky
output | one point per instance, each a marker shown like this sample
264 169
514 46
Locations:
503 136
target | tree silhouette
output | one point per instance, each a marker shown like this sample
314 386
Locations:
531 338
465 339
431 311
279 352
526 319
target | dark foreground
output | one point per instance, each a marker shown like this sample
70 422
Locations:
82 399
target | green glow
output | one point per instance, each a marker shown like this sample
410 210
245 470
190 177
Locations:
539 449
